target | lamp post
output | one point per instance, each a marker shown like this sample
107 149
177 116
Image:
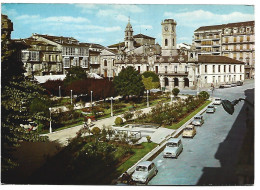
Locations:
111 106
229 107
59 92
71 97
147 98
91 98
50 121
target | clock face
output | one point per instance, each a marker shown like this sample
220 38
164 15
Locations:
166 28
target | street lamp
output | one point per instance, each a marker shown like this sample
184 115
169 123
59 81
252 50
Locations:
50 121
91 97
111 106
229 106
71 97
59 92
147 98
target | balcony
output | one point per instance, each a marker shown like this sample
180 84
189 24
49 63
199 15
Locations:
94 63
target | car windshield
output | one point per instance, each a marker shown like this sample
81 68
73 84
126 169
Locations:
188 129
197 118
141 168
171 144
210 106
217 99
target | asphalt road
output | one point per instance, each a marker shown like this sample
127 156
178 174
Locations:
210 157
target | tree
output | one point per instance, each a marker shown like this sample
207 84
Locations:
16 97
118 121
204 95
129 82
175 92
74 74
150 80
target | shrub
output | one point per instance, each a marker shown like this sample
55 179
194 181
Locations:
175 92
128 115
148 139
204 95
95 131
118 121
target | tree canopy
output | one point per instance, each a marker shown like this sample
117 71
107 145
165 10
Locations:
129 82
74 74
16 96
152 74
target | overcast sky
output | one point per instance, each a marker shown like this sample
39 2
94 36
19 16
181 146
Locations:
105 24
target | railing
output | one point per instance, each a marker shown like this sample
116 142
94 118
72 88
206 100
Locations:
173 73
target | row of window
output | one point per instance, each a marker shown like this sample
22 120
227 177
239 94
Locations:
166 42
75 51
75 62
235 39
218 68
225 79
235 47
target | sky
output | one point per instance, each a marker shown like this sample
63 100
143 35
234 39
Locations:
105 23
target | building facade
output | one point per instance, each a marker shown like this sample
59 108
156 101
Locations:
234 40
73 53
183 68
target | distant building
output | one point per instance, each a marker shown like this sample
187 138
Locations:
183 68
73 53
234 40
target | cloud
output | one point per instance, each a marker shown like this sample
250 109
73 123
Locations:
96 40
66 19
87 8
27 17
184 38
128 8
201 18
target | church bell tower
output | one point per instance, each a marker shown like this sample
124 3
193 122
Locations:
129 40
169 37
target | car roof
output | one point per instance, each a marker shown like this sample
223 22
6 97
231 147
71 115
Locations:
174 140
210 106
145 163
198 116
189 126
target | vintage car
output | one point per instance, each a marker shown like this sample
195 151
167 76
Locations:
211 109
173 148
217 101
233 84
227 85
189 131
198 120
239 83
144 171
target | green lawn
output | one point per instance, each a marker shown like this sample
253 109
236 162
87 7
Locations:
138 154
177 125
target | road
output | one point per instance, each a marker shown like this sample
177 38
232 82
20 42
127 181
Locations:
209 158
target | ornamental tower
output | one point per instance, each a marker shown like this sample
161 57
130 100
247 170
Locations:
129 40
169 37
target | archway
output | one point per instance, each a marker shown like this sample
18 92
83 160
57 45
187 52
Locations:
176 82
166 81
186 82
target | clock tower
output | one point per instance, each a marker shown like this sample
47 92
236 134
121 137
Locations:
169 37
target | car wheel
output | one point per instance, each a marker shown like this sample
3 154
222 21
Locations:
156 172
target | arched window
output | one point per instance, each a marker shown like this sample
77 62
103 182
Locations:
191 55
173 42
105 62
166 42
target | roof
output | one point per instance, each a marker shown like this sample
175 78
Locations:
43 79
142 36
174 140
121 44
217 59
217 27
144 163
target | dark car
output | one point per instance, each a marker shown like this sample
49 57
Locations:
239 83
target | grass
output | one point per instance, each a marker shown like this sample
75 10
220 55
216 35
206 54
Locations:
177 125
138 154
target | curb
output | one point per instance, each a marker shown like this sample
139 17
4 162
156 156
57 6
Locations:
163 143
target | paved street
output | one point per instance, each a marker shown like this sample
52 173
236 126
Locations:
211 156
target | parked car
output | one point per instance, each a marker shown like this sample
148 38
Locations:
144 171
233 84
189 131
198 120
227 85
221 86
173 148
211 109
217 101
239 83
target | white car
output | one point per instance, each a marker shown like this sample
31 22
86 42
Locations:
189 131
211 109
144 171
198 120
173 148
217 101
